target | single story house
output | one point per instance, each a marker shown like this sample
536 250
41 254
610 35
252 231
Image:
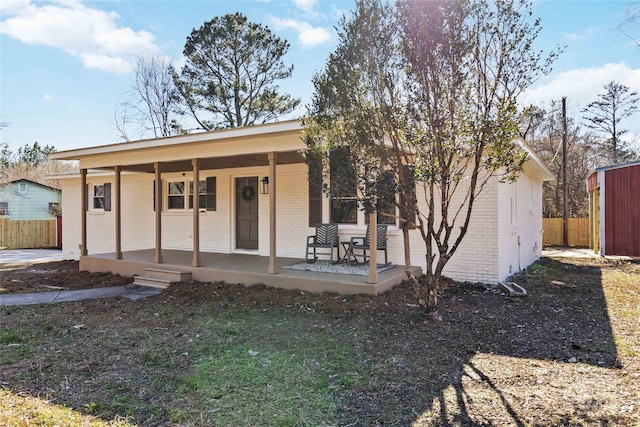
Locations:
614 209
23 199
133 207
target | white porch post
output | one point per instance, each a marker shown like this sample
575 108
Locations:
195 262
117 170
83 217
158 255
373 247
273 269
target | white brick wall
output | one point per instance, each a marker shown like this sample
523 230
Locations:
216 227
70 218
521 242
477 257
487 251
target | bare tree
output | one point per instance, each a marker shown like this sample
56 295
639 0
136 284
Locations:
630 22
606 114
31 162
545 137
152 101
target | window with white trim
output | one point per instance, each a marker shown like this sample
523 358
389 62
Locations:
344 188
98 197
343 192
180 194
4 208
202 195
175 194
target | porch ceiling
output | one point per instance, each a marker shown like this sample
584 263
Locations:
258 159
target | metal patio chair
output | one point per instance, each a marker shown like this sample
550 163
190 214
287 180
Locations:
326 237
363 243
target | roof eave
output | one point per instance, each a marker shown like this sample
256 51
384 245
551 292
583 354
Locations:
265 129
545 173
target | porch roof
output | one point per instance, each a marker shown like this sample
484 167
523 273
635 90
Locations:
225 148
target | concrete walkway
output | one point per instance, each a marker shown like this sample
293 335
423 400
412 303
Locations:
14 256
133 292
557 252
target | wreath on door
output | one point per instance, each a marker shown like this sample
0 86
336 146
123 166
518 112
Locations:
248 193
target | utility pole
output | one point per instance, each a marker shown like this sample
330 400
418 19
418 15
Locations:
565 210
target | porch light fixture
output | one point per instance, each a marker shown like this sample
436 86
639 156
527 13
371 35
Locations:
264 185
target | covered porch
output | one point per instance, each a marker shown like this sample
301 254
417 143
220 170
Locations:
248 270
192 202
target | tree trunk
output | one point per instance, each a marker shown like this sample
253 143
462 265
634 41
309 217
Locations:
426 293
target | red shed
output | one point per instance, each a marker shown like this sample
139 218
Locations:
614 209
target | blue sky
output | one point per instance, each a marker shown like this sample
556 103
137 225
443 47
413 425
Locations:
65 65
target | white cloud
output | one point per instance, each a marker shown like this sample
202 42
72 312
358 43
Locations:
306 5
92 35
582 36
308 36
11 6
583 85
47 97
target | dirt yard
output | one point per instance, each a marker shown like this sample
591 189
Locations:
568 354
59 275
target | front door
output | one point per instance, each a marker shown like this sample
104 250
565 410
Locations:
247 213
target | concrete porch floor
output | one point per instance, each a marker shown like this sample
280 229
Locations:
246 269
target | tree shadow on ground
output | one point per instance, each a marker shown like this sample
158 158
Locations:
549 358
492 351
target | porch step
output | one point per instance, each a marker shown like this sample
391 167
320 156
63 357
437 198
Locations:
154 282
172 275
160 278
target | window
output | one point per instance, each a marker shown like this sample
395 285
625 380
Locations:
175 195
202 194
98 197
179 199
54 208
4 208
408 198
344 191
22 187
386 190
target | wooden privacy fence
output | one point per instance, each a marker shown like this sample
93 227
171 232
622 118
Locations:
578 231
28 234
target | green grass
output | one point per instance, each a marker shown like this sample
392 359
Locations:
220 355
10 336
267 368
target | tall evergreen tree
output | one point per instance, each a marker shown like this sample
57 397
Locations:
231 74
